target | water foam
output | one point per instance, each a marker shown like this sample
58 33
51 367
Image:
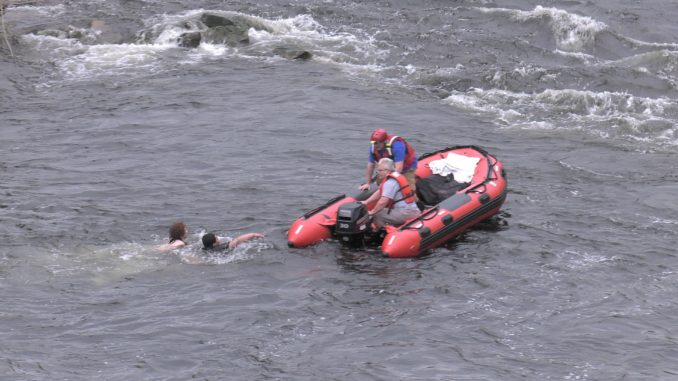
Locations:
601 114
83 59
45 10
301 32
571 31
112 59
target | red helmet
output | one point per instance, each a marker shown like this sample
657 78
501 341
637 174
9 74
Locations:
379 135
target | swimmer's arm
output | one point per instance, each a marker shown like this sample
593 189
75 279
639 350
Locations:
171 246
243 238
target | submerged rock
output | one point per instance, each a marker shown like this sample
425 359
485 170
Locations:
230 30
226 29
98 32
212 21
292 53
228 35
190 40
68 32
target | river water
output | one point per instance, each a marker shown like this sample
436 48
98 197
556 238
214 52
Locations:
111 131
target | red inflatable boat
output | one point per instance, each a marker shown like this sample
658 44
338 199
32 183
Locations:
457 187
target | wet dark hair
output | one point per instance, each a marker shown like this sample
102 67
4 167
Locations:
176 231
208 240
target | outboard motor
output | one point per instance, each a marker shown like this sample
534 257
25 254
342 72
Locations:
353 222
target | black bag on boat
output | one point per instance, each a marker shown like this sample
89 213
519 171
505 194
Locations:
436 188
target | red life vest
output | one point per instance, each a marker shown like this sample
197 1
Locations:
409 151
405 190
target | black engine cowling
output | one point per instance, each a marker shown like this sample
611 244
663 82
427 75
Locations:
353 222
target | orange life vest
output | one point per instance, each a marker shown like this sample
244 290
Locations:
405 190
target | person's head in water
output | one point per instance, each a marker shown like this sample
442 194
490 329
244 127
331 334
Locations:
209 240
178 232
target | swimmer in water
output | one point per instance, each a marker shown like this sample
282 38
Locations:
177 237
211 242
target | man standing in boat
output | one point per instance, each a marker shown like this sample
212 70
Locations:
395 201
383 145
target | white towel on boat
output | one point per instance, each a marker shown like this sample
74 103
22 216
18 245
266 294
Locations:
462 166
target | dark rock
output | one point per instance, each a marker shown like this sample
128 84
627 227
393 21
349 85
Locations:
303 55
190 39
212 21
229 29
229 35
51 33
292 53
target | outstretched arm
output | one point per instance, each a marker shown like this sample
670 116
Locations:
368 176
243 238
